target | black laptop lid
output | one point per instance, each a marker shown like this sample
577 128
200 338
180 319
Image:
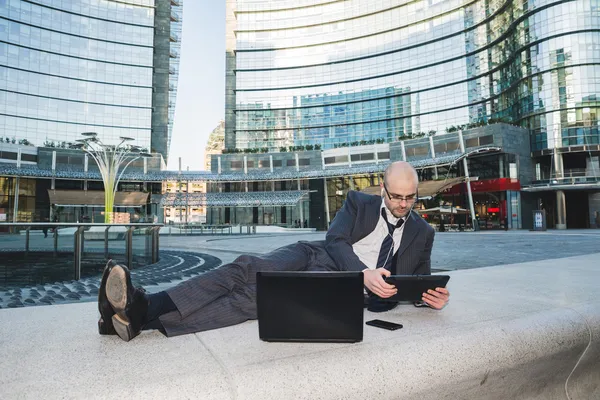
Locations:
310 306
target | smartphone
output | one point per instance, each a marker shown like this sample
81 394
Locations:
390 326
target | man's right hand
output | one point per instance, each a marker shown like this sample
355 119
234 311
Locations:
373 279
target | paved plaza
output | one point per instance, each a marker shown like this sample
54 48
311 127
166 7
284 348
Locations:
451 250
183 257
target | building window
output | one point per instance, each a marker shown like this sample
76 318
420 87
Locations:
304 161
473 142
452 146
384 155
277 163
335 160
264 164
236 165
250 164
418 151
8 155
29 157
485 140
439 148
291 163
362 157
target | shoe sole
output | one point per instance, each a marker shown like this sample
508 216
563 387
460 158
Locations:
105 325
116 293
122 327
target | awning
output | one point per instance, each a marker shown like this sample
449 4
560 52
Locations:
426 188
431 188
77 198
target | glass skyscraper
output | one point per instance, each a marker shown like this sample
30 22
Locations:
68 67
307 72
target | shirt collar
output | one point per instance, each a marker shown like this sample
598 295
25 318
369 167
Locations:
391 219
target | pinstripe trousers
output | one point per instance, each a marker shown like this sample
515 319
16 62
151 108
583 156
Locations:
227 295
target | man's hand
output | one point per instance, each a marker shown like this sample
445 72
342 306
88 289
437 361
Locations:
437 298
373 279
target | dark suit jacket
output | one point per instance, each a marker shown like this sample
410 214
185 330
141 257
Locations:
358 218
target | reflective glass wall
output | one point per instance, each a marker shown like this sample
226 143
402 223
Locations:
327 72
176 21
68 67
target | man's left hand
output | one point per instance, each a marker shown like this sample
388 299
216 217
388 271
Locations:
437 298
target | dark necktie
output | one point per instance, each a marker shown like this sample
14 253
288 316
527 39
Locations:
373 302
386 253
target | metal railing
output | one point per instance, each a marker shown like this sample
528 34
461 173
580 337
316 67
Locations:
546 174
204 229
151 232
570 179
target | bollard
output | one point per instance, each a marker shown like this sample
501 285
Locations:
129 247
78 251
55 241
27 240
148 242
155 238
106 242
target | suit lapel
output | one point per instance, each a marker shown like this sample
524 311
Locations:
373 212
411 228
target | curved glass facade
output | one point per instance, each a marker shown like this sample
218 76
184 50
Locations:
176 21
328 72
68 67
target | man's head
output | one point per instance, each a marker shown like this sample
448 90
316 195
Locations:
399 188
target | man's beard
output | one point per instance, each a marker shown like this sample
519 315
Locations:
400 214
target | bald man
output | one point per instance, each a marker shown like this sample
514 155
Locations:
378 235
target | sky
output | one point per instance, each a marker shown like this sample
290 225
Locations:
201 88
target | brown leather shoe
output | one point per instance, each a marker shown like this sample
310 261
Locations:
105 325
129 303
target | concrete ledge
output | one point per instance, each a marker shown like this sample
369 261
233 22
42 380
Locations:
510 332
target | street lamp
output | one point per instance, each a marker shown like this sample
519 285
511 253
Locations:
112 163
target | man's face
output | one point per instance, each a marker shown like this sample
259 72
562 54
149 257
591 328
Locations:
399 195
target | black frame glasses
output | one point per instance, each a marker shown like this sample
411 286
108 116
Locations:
411 198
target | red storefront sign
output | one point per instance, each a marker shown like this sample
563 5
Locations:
486 185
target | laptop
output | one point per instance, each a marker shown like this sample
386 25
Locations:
310 306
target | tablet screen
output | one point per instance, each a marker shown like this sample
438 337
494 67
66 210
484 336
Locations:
412 287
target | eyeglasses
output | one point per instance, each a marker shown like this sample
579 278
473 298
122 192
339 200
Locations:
411 198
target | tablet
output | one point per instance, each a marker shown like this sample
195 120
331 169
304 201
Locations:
412 287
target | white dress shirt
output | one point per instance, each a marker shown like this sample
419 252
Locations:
367 249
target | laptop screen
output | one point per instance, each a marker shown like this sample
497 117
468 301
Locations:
310 306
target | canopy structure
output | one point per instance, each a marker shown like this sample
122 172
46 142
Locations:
233 199
82 198
133 174
426 188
